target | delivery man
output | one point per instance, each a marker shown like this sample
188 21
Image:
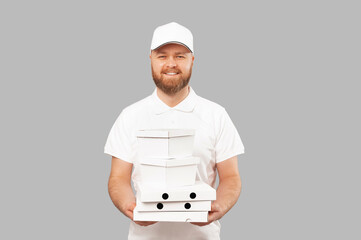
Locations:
174 104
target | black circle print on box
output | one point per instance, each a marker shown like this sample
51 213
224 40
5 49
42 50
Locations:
187 206
165 196
159 206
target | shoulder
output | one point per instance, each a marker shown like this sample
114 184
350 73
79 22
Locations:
209 107
137 108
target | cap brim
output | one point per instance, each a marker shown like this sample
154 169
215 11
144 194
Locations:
175 43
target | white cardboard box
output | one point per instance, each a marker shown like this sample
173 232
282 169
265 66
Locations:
165 143
200 191
170 216
169 172
195 206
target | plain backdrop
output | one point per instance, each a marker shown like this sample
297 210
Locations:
287 72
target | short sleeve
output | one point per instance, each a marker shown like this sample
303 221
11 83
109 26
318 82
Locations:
119 142
228 141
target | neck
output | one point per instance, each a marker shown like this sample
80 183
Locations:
173 100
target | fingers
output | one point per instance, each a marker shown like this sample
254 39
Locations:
200 224
132 206
141 223
215 207
129 214
144 224
213 215
129 210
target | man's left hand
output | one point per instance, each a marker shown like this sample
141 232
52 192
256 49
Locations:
215 214
228 190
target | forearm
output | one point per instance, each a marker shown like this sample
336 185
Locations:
228 192
121 193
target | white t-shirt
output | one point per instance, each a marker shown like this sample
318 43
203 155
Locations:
216 139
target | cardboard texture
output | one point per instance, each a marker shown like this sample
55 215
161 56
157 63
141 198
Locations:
198 192
170 216
165 143
176 172
195 206
169 190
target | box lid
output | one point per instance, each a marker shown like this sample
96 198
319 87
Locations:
164 133
170 216
200 191
170 162
185 206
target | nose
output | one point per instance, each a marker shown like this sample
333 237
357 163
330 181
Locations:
171 63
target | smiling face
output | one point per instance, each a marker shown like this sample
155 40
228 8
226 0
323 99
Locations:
171 67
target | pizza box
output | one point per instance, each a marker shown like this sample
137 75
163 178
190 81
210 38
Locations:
167 172
165 143
170 216
195 206
200 191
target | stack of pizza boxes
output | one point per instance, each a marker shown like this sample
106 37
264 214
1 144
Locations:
169 190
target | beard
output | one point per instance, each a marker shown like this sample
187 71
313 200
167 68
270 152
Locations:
173 85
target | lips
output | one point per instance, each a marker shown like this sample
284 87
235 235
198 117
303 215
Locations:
171 73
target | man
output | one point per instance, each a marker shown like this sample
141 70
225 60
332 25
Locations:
174 104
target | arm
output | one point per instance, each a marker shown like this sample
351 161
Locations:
120 189
228 190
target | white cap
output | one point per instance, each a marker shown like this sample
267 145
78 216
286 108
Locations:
172 33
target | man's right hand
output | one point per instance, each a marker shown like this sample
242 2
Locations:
120 189
129 212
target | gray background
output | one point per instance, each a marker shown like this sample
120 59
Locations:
287 72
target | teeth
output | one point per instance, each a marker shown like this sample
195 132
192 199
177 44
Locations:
171 73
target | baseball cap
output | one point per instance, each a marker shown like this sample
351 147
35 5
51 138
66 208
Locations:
172 33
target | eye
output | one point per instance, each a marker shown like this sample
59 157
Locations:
161 56
180 57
